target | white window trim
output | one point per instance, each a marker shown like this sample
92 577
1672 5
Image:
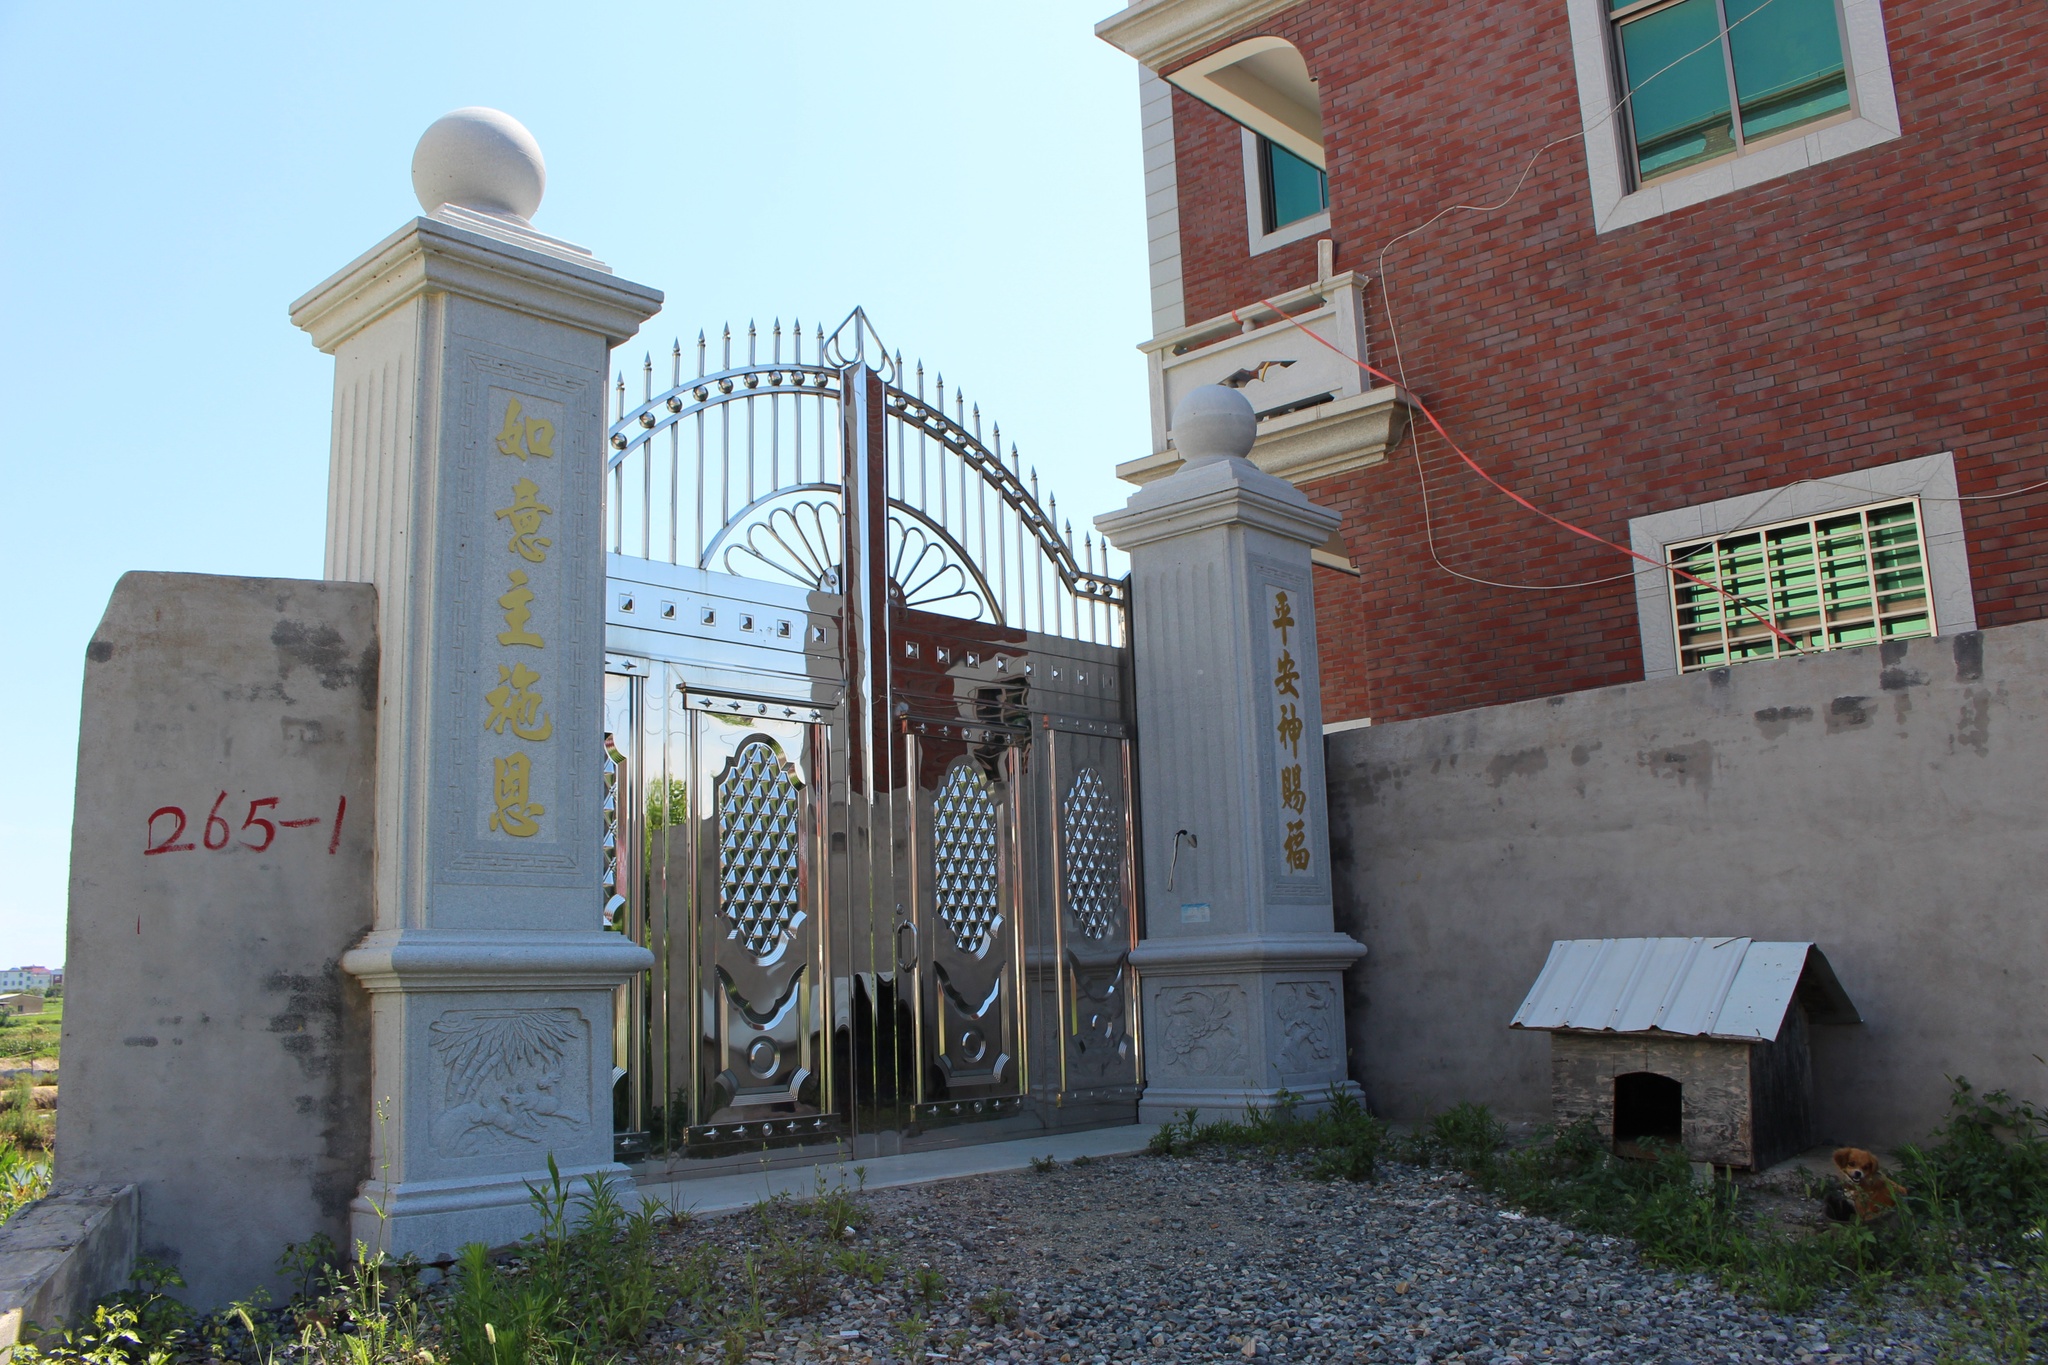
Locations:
1263 241
1873 118
1930 477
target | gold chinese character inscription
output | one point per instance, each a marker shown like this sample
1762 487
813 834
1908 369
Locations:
515 703
1289 728
518 605
1283 615
518 814
1291 794
1297 845
525 436
1286 675
525 513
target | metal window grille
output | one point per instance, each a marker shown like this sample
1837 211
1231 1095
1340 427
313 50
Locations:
1837 581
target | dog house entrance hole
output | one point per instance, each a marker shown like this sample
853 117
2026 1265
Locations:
1647 1105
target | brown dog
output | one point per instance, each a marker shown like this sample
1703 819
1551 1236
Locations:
1870 1190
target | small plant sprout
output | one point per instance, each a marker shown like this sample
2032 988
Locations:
1045 1165
928 1285
998 1307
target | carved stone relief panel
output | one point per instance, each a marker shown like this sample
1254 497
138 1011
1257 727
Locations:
1306 1012
1202 1030
511 1079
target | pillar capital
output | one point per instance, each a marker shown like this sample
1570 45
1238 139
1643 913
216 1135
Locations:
1232 492
479 257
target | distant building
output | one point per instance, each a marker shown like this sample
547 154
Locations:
30 978
21 1002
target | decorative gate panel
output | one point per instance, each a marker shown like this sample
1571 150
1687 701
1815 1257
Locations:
870 764
760 954
966 924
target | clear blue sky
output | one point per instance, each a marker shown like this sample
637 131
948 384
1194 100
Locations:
171 177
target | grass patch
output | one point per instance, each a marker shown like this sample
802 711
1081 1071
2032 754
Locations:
1970 1232
1338 1141
29 1037
1974 1204
590 1287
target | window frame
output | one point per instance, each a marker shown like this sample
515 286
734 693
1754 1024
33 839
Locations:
1269 191
1619 201
1624 124
1255 205
1929 478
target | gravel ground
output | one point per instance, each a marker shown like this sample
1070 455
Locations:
1212 1258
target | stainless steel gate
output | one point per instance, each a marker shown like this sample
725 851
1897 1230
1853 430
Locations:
869 768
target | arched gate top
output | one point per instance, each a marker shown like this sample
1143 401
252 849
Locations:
731 469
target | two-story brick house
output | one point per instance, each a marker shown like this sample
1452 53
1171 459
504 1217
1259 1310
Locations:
1755 287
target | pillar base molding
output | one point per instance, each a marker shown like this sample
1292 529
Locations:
1170 1104
432 1218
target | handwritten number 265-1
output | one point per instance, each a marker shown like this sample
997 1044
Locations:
166 827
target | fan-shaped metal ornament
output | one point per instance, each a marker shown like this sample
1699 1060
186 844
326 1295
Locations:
799 542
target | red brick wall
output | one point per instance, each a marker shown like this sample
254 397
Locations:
1884 305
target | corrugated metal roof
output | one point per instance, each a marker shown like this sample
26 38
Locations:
1733 988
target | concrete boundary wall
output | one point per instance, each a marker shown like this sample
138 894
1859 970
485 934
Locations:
1890 804
61 1255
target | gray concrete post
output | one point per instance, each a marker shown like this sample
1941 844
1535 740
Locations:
1240 967
466 483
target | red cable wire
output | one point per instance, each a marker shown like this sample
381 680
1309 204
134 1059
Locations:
1423 408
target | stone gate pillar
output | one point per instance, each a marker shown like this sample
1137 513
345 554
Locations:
1241 968
466 474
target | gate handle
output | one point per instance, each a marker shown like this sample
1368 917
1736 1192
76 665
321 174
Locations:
902 965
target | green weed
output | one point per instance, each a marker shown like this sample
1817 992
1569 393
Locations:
1340 1141
927 1285
997 1307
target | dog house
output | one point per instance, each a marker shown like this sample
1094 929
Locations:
1700 1042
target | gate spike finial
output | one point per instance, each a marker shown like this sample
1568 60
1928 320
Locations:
977 421
778 340
920 376
751 337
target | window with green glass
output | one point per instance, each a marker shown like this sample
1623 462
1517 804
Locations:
1293 188
1850 578
1706 77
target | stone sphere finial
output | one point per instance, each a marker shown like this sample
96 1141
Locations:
482 159
1213 423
